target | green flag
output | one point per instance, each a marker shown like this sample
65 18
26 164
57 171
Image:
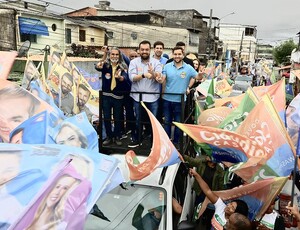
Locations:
210 100
237 116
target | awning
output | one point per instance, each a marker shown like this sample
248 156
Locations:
32 26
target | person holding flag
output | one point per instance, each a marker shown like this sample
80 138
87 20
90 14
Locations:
222 211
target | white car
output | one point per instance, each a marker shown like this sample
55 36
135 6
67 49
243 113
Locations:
147 204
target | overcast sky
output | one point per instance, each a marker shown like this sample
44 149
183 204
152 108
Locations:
276 20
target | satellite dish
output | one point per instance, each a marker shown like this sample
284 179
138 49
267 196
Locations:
24 49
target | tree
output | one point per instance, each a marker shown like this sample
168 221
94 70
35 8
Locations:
283 52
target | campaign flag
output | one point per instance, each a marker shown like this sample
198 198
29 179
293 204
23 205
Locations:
273 76
238 115
31 73
225 145
213 117
163 152
232 102
264 126
277 95
32 131
255 168
66 192
258 195
222 87
292 119
35 89
75 131
7 59
16 106
31 169
210 100
92 78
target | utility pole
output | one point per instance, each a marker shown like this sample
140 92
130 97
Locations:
208 48
239 55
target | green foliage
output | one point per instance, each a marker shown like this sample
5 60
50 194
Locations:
282 52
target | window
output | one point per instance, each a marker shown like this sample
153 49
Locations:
92 39
249 31
68 36
110 34
82 35
54 27
30 37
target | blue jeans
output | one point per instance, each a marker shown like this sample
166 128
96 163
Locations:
142 116
109 103
172 112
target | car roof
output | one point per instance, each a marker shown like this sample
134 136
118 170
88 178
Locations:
160 177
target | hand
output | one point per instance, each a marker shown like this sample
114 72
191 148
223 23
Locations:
293 211
193 172
188 91
100 64
104 49
150 68
158 77
118 74
148 75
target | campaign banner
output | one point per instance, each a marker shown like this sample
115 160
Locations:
33 130
276 93
18 105
30 170
213 117
31 73
255 168
7 59
75 131
258 195
238 115
225 145
293 119
163 152
264 126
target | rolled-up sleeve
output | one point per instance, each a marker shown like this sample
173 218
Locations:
132 70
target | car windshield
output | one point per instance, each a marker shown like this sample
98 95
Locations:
133 207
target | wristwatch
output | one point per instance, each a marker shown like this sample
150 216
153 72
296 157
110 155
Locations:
143 76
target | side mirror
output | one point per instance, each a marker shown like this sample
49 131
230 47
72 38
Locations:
186 225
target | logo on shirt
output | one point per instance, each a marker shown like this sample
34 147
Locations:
107 76
183 74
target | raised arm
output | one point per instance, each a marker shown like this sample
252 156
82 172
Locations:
204 186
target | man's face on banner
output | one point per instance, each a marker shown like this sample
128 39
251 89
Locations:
13 111
66 85
83 96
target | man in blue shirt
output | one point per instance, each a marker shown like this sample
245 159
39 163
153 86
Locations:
178 78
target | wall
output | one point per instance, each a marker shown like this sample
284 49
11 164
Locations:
55 37
7 30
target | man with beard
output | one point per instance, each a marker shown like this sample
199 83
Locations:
145 74
83 97
185 59
67 99
114 85
178 78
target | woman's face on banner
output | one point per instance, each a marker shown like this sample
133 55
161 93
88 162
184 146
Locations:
9 167
13 111
60 188
68 136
